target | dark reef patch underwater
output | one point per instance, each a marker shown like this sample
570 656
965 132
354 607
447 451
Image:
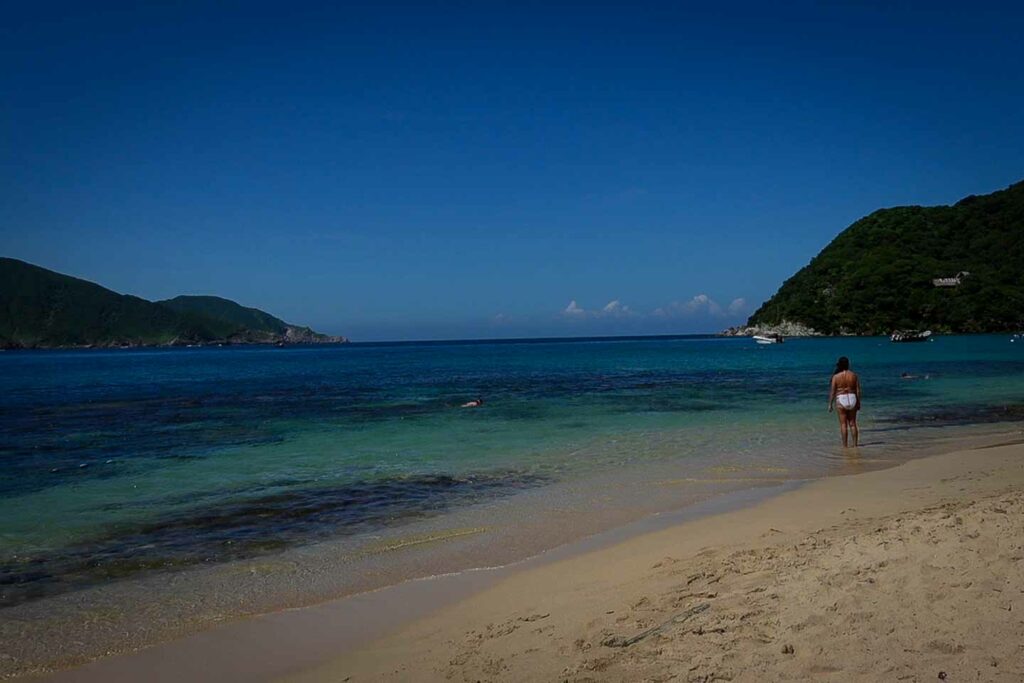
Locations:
248 528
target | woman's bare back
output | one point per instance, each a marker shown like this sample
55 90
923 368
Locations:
845 382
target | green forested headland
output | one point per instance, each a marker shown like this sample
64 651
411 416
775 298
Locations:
877 275
227 310
43 309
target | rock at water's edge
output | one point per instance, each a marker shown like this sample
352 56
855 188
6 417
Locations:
786 329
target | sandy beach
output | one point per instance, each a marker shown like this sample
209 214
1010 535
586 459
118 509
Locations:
913 573
895 574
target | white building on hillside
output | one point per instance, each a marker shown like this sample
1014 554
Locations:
950 281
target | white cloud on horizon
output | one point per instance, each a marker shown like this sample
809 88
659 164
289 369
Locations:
738 305
616 309
573 310
700 305
613 309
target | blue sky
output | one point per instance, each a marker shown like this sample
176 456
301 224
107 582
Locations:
452 170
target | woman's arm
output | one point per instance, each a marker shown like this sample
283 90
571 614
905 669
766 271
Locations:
831 393
857 391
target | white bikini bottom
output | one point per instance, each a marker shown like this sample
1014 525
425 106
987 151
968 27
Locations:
847 401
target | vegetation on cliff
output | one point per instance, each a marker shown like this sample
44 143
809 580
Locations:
40 308
252 324
227 310
877 275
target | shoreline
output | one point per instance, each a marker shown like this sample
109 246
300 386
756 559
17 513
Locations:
800 584
316 632
466 586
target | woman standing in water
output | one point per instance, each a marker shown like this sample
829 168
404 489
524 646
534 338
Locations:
845 393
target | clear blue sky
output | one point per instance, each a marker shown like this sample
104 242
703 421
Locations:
421 170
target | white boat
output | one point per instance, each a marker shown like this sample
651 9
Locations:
904 336
768 338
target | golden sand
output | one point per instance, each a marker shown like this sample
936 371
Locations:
914 573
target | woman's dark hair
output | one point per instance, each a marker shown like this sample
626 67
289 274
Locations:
842 365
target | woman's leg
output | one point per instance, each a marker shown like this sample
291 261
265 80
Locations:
851 421
842 425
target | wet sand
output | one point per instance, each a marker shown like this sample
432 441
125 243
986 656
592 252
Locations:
146 610
899 574
887 574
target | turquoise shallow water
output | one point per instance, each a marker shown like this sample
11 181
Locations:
116 463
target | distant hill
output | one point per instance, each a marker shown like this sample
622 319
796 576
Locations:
43 309
878 275
227 310
255 326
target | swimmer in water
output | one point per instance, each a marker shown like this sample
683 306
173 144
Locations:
907 375
475 403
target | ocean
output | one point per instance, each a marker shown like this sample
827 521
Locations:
119 466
